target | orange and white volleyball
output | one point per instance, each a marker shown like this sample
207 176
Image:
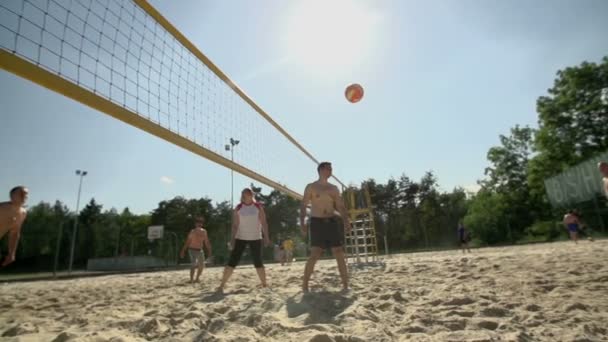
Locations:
354 93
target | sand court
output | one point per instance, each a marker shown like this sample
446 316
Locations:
545 292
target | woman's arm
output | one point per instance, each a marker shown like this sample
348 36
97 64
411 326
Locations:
235 226
262 216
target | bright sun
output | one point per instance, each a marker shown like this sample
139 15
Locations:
329 34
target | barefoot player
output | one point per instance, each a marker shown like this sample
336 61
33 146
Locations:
197 239
325 231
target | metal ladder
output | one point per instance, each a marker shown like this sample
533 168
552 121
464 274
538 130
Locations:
361 244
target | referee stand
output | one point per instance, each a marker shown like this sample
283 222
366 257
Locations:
361 244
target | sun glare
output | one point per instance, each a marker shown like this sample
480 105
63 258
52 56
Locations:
324 35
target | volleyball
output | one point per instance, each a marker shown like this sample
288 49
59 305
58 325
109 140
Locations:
354 93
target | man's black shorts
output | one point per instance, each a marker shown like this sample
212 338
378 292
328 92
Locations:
326 232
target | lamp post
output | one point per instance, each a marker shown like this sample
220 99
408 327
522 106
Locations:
81 174
230 148
176 251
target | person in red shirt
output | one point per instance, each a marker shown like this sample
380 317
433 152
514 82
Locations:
249 228
197 239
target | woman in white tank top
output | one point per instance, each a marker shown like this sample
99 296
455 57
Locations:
249 228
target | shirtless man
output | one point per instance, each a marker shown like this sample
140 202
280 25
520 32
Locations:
12 215
197 239
572 224
603 167
325 231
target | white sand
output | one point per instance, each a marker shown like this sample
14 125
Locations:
548 292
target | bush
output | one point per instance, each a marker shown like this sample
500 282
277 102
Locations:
486 218
549 230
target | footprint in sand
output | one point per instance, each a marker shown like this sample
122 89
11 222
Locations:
50 306
489 325
412 329
511 306
20 329
321 338
593 329
253 320
221 309
457 301
577 306
461 313
398 297
152 327
195 315
436 302
455 325
548 288
601 279
533 308
64 337
384 306
495 312
151 313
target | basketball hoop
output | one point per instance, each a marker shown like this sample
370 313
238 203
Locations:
155 232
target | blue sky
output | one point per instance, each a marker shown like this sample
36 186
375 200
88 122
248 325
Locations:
442 78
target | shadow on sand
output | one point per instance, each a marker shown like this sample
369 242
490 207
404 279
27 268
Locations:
215 296
321 307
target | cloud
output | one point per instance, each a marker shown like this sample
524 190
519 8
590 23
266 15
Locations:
472 188
167 180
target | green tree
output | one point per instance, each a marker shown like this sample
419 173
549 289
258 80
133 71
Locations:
282 213
454 207
86 242
39 235
177 216
573 121
508 176
486 217
509 162
221 222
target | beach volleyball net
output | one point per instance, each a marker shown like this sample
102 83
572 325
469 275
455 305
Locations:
123 58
